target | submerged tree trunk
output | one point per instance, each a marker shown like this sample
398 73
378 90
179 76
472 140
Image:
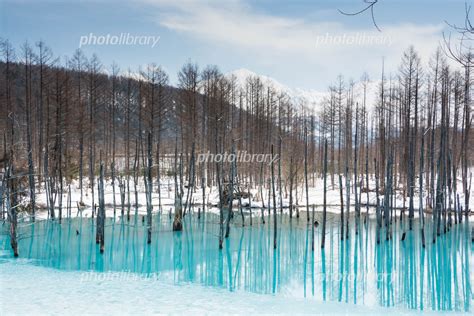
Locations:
291 187
11 194
306 171
356 200
231 195
279 176
221 206
178 202
421 213
341 194
323 231
191 177
377 207
274 205
149 189
101 212
348 199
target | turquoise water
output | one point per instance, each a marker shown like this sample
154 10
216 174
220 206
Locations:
395 273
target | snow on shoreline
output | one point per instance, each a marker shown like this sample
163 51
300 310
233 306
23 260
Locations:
315 198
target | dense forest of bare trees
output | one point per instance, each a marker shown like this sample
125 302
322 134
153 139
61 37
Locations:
76 119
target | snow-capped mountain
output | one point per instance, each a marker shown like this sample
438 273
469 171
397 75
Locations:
311 98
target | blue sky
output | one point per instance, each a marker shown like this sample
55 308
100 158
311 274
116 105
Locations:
271 37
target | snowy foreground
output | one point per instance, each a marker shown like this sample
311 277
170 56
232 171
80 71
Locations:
60 270
59 275
139 297
315 197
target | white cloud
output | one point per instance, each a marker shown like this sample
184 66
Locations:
236 26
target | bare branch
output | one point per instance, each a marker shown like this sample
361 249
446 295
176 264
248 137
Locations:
370 7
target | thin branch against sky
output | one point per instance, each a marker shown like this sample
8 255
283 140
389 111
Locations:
370 6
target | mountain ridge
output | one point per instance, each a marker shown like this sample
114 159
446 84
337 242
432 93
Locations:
312 98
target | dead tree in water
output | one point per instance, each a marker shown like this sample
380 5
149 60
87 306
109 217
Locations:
356 200
12 205
241 194
274 204
312 228
191 177
113 106
149 188
366 220
101 213
112 173
50 189
388 191
203 186
94 67
323 232
78 61
3 197
377 207
231 194
341 193
178 202
260 190
348 199
122 195
421 213
28 95
69 202
136 163
58 151
279 176
306 170
221 206
219 187
291 187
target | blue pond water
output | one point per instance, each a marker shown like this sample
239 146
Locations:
395 273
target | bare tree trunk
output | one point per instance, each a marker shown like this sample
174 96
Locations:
101 212
149 189
323 232
191 177
12 207
279 176
31 169
203 187
178 202
366 220
231 195
221 206
261 187
341 193
388 189
348 199
122 189
291 187
421 213
274 205
306 171
356 200
377 207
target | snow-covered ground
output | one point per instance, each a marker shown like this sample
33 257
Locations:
58 292
315 197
